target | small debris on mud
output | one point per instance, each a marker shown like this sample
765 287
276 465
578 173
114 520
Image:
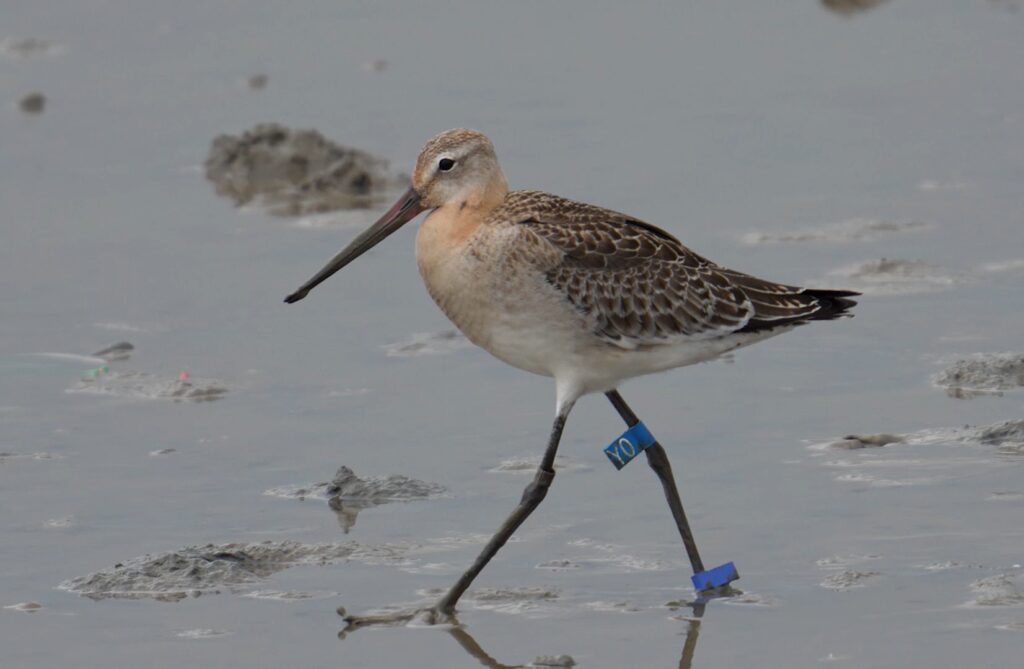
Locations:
203 633
982 374
25 607
554 661
558 565
122 350
848 580
258 82
61 523
295 172
855 441
147 386
850 7
33 103
27 47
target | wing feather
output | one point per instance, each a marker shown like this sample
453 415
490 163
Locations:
637 285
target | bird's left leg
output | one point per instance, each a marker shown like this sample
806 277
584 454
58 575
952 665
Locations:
532 496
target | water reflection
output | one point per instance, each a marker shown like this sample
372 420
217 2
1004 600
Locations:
347 511
692 632
476 651
473 648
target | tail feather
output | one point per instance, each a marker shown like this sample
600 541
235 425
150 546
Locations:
831 304
834 303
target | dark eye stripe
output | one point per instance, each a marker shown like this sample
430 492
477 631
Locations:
446 164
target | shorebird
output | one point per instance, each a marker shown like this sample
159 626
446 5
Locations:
585 295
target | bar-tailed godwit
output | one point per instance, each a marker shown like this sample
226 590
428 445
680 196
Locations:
585 295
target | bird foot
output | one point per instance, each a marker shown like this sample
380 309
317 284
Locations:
721 592
430 615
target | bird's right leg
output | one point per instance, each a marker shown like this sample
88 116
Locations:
533 495
658 460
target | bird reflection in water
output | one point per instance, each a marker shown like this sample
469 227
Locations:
473 648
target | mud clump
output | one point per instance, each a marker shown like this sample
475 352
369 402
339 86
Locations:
850 7
1008 437
350 494
122 350
379 490
999 590
33 103
197 570
295 172
857 441
554 661
848 580
982 374
258 82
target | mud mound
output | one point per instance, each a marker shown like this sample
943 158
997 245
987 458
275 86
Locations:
196 570
982 374
295 172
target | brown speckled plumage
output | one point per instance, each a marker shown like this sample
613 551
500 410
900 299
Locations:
638 285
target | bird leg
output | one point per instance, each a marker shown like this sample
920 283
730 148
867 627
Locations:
658 460
533 495
444 609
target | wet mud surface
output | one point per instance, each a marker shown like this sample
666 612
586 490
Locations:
926 457
427 343
857 229
875 522
894 276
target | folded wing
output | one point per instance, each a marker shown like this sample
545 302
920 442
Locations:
637 285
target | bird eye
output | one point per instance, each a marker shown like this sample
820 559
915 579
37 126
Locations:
446 164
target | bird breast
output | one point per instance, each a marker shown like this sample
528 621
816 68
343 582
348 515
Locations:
494 291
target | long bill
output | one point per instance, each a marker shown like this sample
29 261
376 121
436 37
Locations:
403 211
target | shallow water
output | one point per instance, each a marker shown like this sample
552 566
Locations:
731 125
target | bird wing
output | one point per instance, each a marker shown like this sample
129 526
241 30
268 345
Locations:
637 285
